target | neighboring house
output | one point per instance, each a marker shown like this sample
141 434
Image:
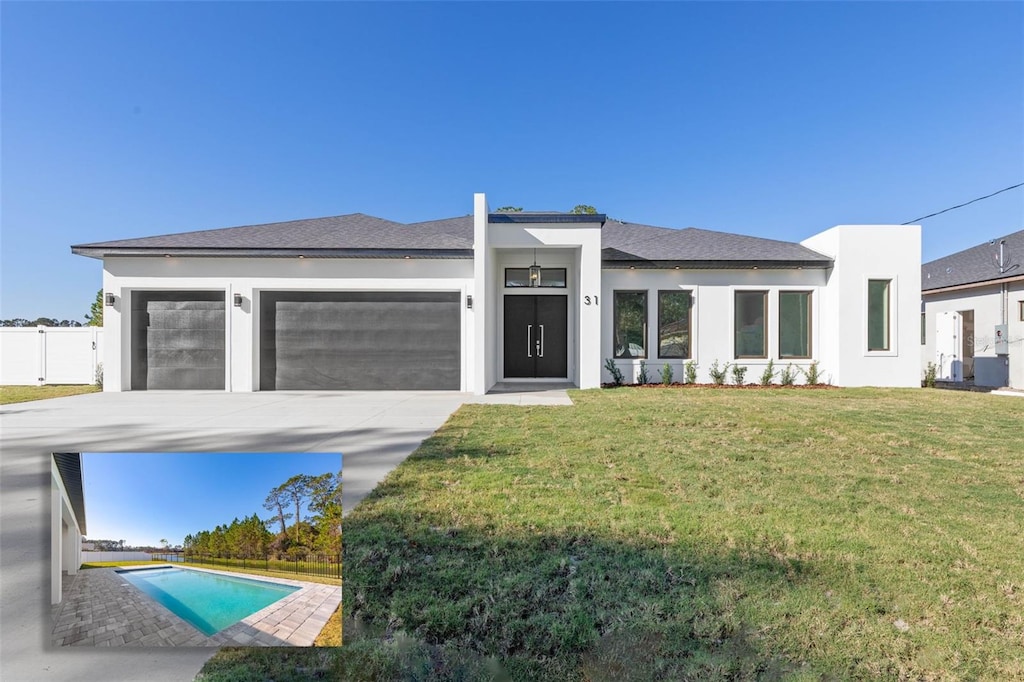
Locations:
358 302
67 519
972 314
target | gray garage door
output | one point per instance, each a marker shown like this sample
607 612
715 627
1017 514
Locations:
360 340
177 340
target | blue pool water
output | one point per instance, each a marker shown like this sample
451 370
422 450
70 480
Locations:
208 601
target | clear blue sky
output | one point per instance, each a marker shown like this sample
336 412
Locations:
142 498
771 119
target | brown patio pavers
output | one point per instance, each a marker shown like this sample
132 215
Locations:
101 608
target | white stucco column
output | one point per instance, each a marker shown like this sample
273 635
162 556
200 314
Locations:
483 372
590 303
55 540
72 539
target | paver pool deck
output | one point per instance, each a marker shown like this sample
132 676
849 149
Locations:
101 608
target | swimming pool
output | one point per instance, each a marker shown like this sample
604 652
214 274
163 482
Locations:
209 601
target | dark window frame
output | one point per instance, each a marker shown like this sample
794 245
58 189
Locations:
736 326
689 324
615 323
810 324
886 319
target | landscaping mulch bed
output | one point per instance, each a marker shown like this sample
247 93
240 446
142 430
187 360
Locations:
724 386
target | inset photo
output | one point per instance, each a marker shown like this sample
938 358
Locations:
195 549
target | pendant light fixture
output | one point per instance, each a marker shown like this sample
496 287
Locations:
535 271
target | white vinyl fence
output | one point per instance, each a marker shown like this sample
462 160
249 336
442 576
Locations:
33 356
89 557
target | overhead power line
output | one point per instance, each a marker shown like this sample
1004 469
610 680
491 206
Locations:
930 215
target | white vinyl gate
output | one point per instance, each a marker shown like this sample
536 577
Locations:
33 356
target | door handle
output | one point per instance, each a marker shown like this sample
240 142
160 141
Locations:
529 340
540 354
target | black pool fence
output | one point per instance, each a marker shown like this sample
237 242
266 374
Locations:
320 565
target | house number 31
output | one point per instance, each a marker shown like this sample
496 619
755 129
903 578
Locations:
587 300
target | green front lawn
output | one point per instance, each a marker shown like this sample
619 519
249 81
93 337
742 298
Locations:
698 534
23 394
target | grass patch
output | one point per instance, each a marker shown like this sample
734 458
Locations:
23 394
277 664
698 534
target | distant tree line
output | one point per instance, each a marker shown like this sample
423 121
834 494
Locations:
119 546
94 318
40 322
318 533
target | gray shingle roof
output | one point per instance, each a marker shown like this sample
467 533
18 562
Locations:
355 231
627 243
977 264
357 234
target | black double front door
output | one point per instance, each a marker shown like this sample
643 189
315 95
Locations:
536 330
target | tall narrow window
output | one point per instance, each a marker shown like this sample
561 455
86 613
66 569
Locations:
878 314
630 324
751 311
794 324
924 326
674 313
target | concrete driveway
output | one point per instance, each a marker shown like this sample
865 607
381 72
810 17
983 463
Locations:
375 431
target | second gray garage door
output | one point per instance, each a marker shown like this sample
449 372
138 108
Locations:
360 340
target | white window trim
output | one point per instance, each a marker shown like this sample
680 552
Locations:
815 292
771 307
657 325
894 288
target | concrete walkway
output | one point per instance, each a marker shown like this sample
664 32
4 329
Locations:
375 431
101 608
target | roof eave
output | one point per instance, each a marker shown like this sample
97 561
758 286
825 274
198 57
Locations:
101 252
972 285
717 264
69 465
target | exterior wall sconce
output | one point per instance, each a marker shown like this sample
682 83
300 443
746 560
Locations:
535 271
108 299
238 300
469 301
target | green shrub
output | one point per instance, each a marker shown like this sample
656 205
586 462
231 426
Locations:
930 373
614 370
738 372
717 373
666 374
788 375
690 369
812 374
99 374
768 374
643 378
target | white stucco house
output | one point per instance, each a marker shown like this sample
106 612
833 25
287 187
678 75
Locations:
972 314
359 302
67 519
